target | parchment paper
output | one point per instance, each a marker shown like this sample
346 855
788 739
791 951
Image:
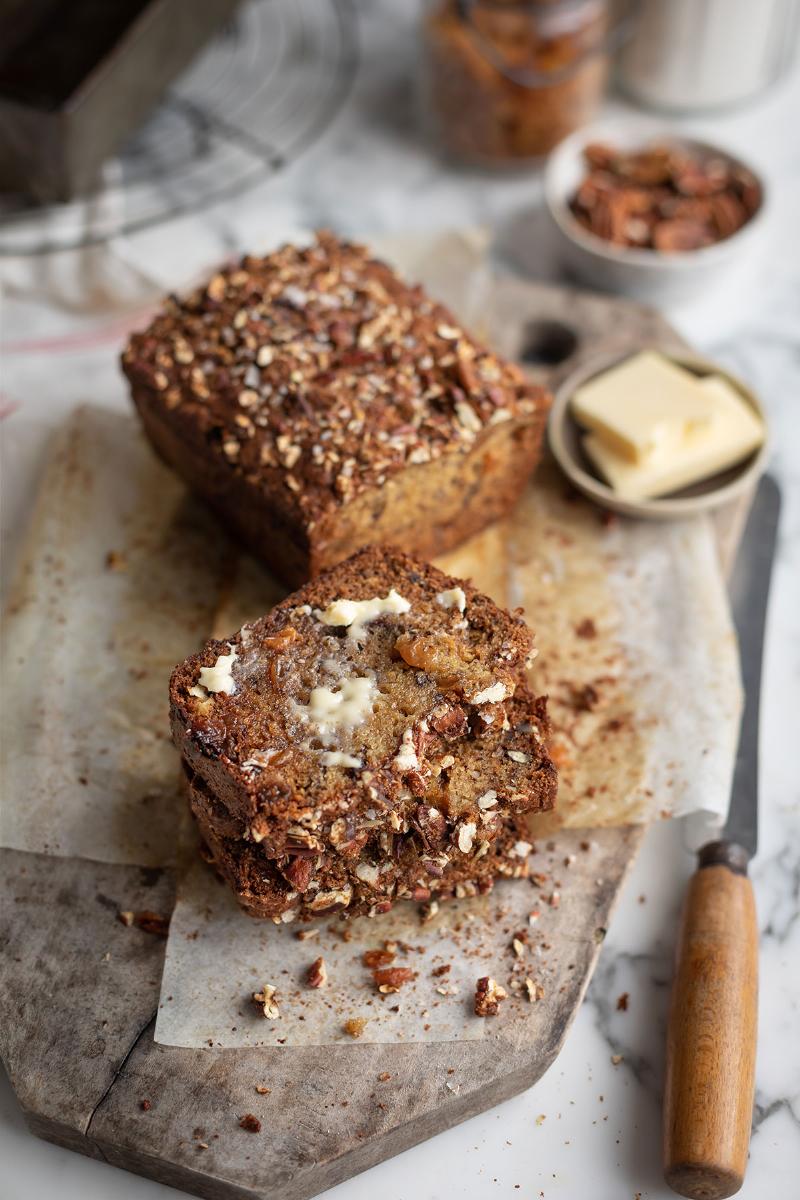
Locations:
119 580
217 958
637 653
639 658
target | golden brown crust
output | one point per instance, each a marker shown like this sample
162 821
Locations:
319 403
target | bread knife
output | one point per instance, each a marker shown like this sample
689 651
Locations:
711 1035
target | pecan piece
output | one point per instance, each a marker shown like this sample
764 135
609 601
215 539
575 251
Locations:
251 1123
728 213
325 902
534 990
670 236
377 958
317 974
431 824
344 837
451 723
415 782
265 1002
390 979
599 155
488 994
298 872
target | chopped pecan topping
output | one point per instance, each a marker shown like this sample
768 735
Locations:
534 990
251 1123
317 974
488 995
450 723
391 979
330 901
318 368
431 824
266 1003
377 958
348 842
298 872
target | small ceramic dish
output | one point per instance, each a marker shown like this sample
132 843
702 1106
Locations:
566 435
648 275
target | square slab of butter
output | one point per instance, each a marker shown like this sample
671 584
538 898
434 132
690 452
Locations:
732 432
642 406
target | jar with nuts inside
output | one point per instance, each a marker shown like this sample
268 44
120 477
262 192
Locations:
505 80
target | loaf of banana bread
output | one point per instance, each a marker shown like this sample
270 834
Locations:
320 404
369 738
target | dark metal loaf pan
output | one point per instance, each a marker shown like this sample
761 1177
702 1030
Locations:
78 76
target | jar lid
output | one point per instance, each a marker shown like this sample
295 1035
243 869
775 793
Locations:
549 19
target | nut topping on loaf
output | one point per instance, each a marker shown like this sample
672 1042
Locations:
365 766
303 383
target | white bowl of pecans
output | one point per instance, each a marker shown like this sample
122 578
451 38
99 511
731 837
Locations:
639 210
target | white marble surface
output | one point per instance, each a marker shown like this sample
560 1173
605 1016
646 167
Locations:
64 320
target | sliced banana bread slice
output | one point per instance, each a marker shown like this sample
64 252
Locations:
381 698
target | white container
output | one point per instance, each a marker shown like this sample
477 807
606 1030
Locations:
647 275
565 437
695 55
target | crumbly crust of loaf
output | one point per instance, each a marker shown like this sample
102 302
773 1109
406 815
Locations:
302 384
449 744
262 890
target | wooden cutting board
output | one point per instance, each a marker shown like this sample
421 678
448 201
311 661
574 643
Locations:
80 990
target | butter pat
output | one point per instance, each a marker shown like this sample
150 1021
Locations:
218 678
642 407
332 711
454 598
732 433
338 758
355 614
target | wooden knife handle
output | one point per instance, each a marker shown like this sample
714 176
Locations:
711 1038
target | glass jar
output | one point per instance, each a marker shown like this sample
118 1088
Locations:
505 80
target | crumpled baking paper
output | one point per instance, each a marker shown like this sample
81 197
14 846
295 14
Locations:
119 579
637 654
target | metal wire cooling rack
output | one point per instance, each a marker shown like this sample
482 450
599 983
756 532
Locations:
263 90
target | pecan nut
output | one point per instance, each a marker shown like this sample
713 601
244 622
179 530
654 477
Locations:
488 995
